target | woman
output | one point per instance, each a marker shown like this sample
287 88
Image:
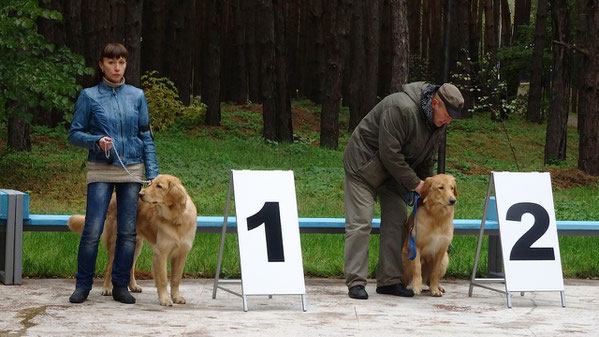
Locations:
111 121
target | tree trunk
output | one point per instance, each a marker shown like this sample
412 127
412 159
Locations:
579 58
155 17
337 17
373 32
18 134
358 66
533 113
253 62
132 39
436 31
295 12
400 42
283 112
211 73
414 25
506 24
521 16
557 121
276 106
460 40
475 33
198 44
490 32
588 149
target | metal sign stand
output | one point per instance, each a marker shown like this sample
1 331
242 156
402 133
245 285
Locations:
480 282
218 283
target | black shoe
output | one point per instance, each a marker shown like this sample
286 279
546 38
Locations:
122 295
79 295
395 289
358 292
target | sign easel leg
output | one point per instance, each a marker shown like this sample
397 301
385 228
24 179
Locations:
222 238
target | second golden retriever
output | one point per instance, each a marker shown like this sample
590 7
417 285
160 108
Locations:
167 219
433 235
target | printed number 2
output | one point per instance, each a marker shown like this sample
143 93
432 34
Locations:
522 249
270 216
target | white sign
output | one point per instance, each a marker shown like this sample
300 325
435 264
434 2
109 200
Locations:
268 232
528 231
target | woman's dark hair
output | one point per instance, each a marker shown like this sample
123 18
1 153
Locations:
111 50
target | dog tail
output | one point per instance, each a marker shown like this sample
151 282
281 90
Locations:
76 223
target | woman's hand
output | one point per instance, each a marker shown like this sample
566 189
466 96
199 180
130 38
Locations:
105 143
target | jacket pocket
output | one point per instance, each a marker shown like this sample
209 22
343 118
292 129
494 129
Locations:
373 172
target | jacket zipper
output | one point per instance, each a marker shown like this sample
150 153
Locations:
121 122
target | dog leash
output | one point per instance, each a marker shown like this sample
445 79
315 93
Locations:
413 198
107 155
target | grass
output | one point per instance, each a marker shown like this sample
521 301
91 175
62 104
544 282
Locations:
54 176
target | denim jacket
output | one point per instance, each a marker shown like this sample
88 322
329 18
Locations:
120 113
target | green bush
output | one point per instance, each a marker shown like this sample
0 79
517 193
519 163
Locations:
164 105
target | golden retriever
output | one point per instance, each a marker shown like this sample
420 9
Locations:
434 234
167 219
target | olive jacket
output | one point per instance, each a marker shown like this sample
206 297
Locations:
394 140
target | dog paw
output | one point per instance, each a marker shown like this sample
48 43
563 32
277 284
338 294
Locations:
166 302
417 289
106 292
442 289
436 292
135 288
179 300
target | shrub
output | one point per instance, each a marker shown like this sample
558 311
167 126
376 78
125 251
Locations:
164 105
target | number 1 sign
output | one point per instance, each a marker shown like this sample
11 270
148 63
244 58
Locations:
528 233
268 234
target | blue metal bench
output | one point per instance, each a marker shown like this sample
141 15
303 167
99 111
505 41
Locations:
11 248
213 224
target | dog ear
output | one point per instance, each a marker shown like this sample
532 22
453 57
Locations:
426 188
176 194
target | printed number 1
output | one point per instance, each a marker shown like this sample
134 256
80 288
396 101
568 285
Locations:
270 216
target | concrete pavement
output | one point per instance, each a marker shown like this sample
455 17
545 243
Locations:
40 307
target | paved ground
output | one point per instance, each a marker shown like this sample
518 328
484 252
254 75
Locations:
40 307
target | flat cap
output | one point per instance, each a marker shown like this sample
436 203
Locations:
453 99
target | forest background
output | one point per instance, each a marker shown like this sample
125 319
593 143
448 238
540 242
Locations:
270 59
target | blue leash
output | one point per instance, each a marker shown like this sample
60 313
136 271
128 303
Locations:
413 201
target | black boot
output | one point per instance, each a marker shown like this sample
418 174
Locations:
358 292
79 296
395 289
122 295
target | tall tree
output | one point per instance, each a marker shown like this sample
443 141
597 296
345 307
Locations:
491 29
521 16
533 113
588 150
459 42
337 19
33 72
506 24
400 45
211 62
436 31
357 59
557 121
414 25
276 104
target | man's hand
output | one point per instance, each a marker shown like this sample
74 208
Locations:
418 188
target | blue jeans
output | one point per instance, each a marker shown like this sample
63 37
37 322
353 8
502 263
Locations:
98 198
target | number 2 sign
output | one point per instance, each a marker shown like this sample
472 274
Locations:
528 231
268 233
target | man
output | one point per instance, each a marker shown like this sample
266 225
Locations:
388 155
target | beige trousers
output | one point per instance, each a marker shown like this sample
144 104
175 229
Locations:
360 198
